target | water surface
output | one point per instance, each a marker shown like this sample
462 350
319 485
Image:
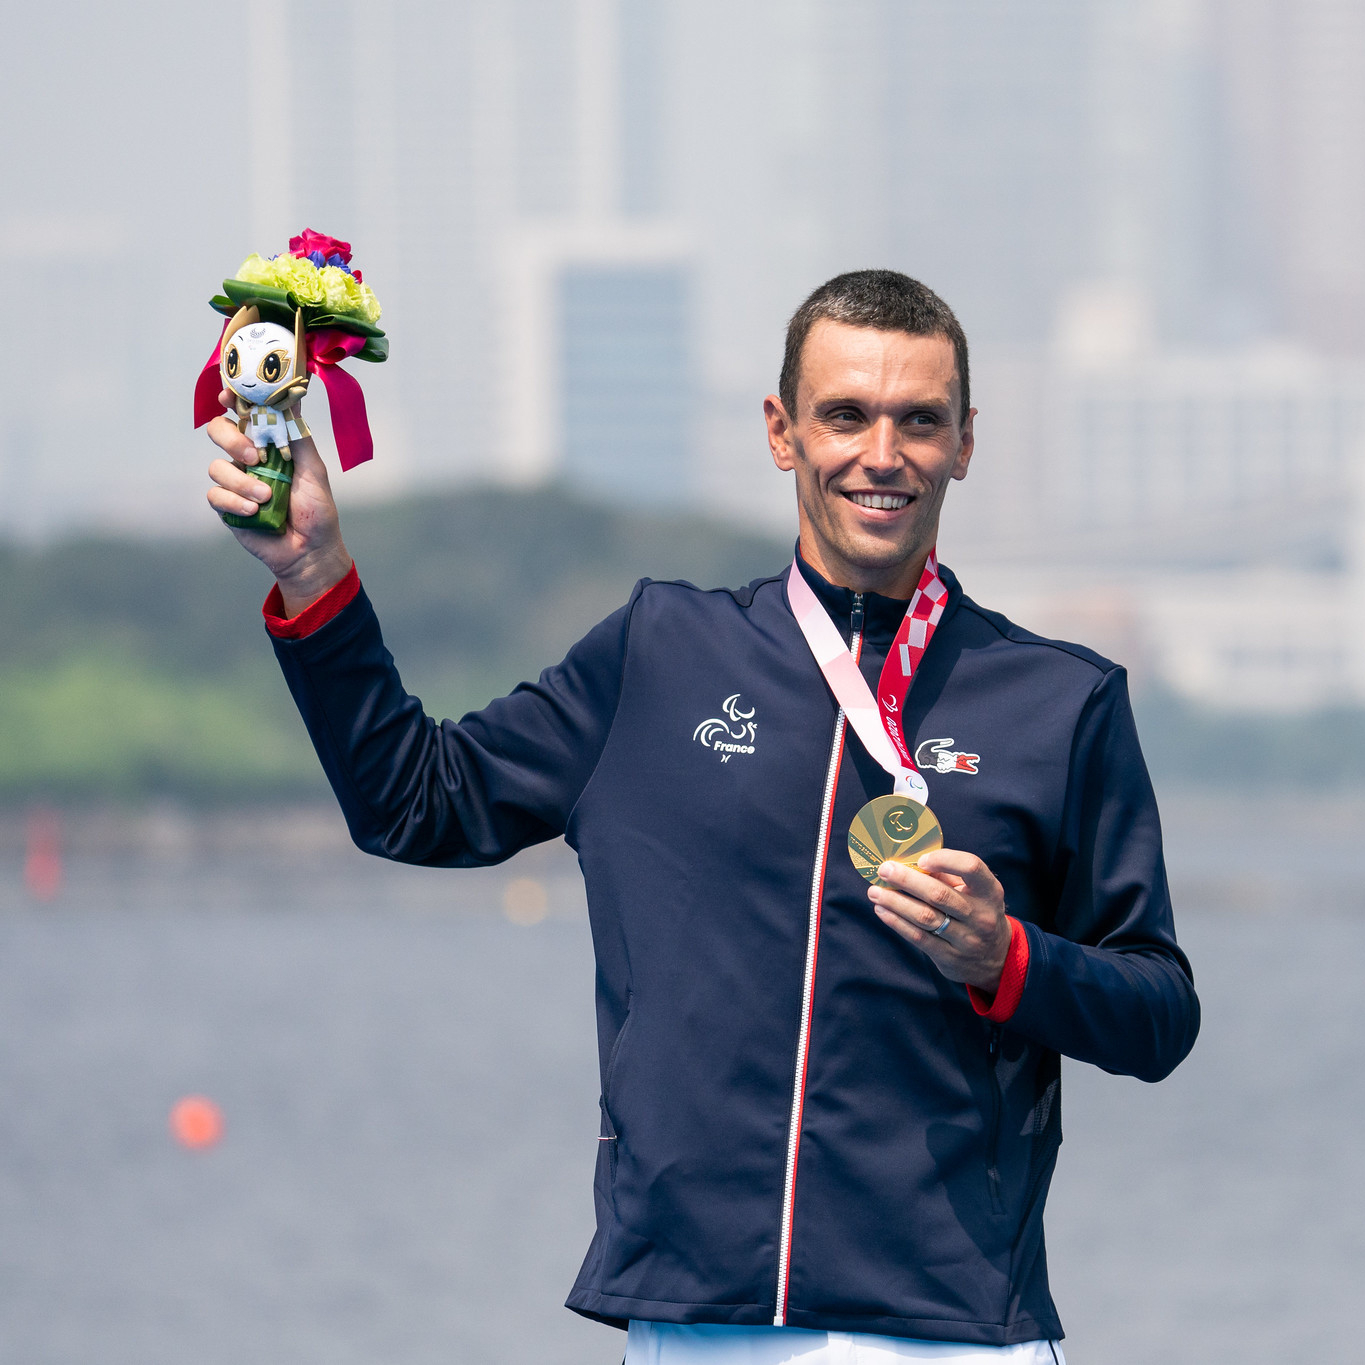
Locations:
409 1085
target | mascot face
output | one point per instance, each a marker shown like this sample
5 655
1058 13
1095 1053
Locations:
258 361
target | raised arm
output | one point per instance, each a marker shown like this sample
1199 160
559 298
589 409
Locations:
413 789
451 794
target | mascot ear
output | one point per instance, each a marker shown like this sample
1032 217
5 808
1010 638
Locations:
300 347
247 316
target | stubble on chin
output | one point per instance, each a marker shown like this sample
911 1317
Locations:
858 550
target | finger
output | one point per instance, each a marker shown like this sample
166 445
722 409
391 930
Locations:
221 500
941 929
224 434
307 461
938 946
964 962
976 877
918 914
942 893
239 482
228 402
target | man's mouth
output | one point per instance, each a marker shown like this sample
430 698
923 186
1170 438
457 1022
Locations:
889 502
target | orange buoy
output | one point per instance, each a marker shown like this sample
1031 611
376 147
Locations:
525 901
196 1122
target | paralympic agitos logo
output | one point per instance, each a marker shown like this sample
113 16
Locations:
901 823
730 733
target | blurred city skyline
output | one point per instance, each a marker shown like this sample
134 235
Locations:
588 221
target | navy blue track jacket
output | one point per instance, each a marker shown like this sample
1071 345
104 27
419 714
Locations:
804 1122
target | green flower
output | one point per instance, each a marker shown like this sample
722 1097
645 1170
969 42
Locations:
257 270
340 292
346 296
287 282
300 277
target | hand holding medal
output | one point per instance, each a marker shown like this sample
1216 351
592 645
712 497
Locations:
900 828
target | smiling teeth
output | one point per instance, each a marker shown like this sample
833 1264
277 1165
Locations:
890 502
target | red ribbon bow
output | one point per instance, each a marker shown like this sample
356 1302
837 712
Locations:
326 349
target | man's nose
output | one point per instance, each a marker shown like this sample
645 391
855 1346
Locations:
883 450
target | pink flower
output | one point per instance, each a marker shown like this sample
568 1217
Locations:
312 241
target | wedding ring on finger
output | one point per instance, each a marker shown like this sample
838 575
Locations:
939 930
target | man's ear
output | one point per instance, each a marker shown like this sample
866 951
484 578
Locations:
964 456
781 440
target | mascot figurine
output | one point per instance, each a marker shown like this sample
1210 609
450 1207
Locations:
289 317
263 366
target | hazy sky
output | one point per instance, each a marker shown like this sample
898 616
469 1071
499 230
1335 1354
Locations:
1015 157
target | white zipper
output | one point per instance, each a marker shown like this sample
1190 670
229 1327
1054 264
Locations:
817 887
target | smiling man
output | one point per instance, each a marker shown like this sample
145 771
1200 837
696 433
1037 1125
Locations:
830 1110
874 422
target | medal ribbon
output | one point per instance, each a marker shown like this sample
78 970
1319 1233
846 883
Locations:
875 720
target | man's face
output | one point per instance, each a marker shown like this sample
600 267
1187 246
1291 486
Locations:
875 440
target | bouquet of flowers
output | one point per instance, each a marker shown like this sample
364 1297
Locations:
316 277
290 316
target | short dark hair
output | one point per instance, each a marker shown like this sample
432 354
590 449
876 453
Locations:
882 299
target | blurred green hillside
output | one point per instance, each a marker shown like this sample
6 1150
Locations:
133 669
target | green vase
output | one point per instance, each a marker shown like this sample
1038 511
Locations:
278 472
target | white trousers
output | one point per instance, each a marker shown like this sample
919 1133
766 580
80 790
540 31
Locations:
666 1343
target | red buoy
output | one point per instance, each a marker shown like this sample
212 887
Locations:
196 1122
43 855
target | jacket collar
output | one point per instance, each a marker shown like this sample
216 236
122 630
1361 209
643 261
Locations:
882 616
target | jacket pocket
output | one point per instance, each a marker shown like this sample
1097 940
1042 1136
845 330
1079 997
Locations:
607 1143
610 1137
993 1184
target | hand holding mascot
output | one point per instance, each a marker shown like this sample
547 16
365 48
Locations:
294 315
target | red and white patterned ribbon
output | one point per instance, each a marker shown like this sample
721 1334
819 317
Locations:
875 720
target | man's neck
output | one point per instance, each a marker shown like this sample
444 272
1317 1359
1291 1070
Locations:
897 580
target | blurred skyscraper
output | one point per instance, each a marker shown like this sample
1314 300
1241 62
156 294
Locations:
1293 85
591 277
588 221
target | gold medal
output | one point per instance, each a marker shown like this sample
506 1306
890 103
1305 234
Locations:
895 829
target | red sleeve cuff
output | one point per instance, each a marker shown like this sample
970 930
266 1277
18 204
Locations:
312 617
999 1007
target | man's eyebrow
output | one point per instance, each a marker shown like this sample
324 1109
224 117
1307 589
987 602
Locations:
862 404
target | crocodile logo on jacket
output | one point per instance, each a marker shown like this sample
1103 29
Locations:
729 733
938 756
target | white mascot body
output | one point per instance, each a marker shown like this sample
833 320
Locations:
261 366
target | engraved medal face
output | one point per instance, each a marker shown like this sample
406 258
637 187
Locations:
891 829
